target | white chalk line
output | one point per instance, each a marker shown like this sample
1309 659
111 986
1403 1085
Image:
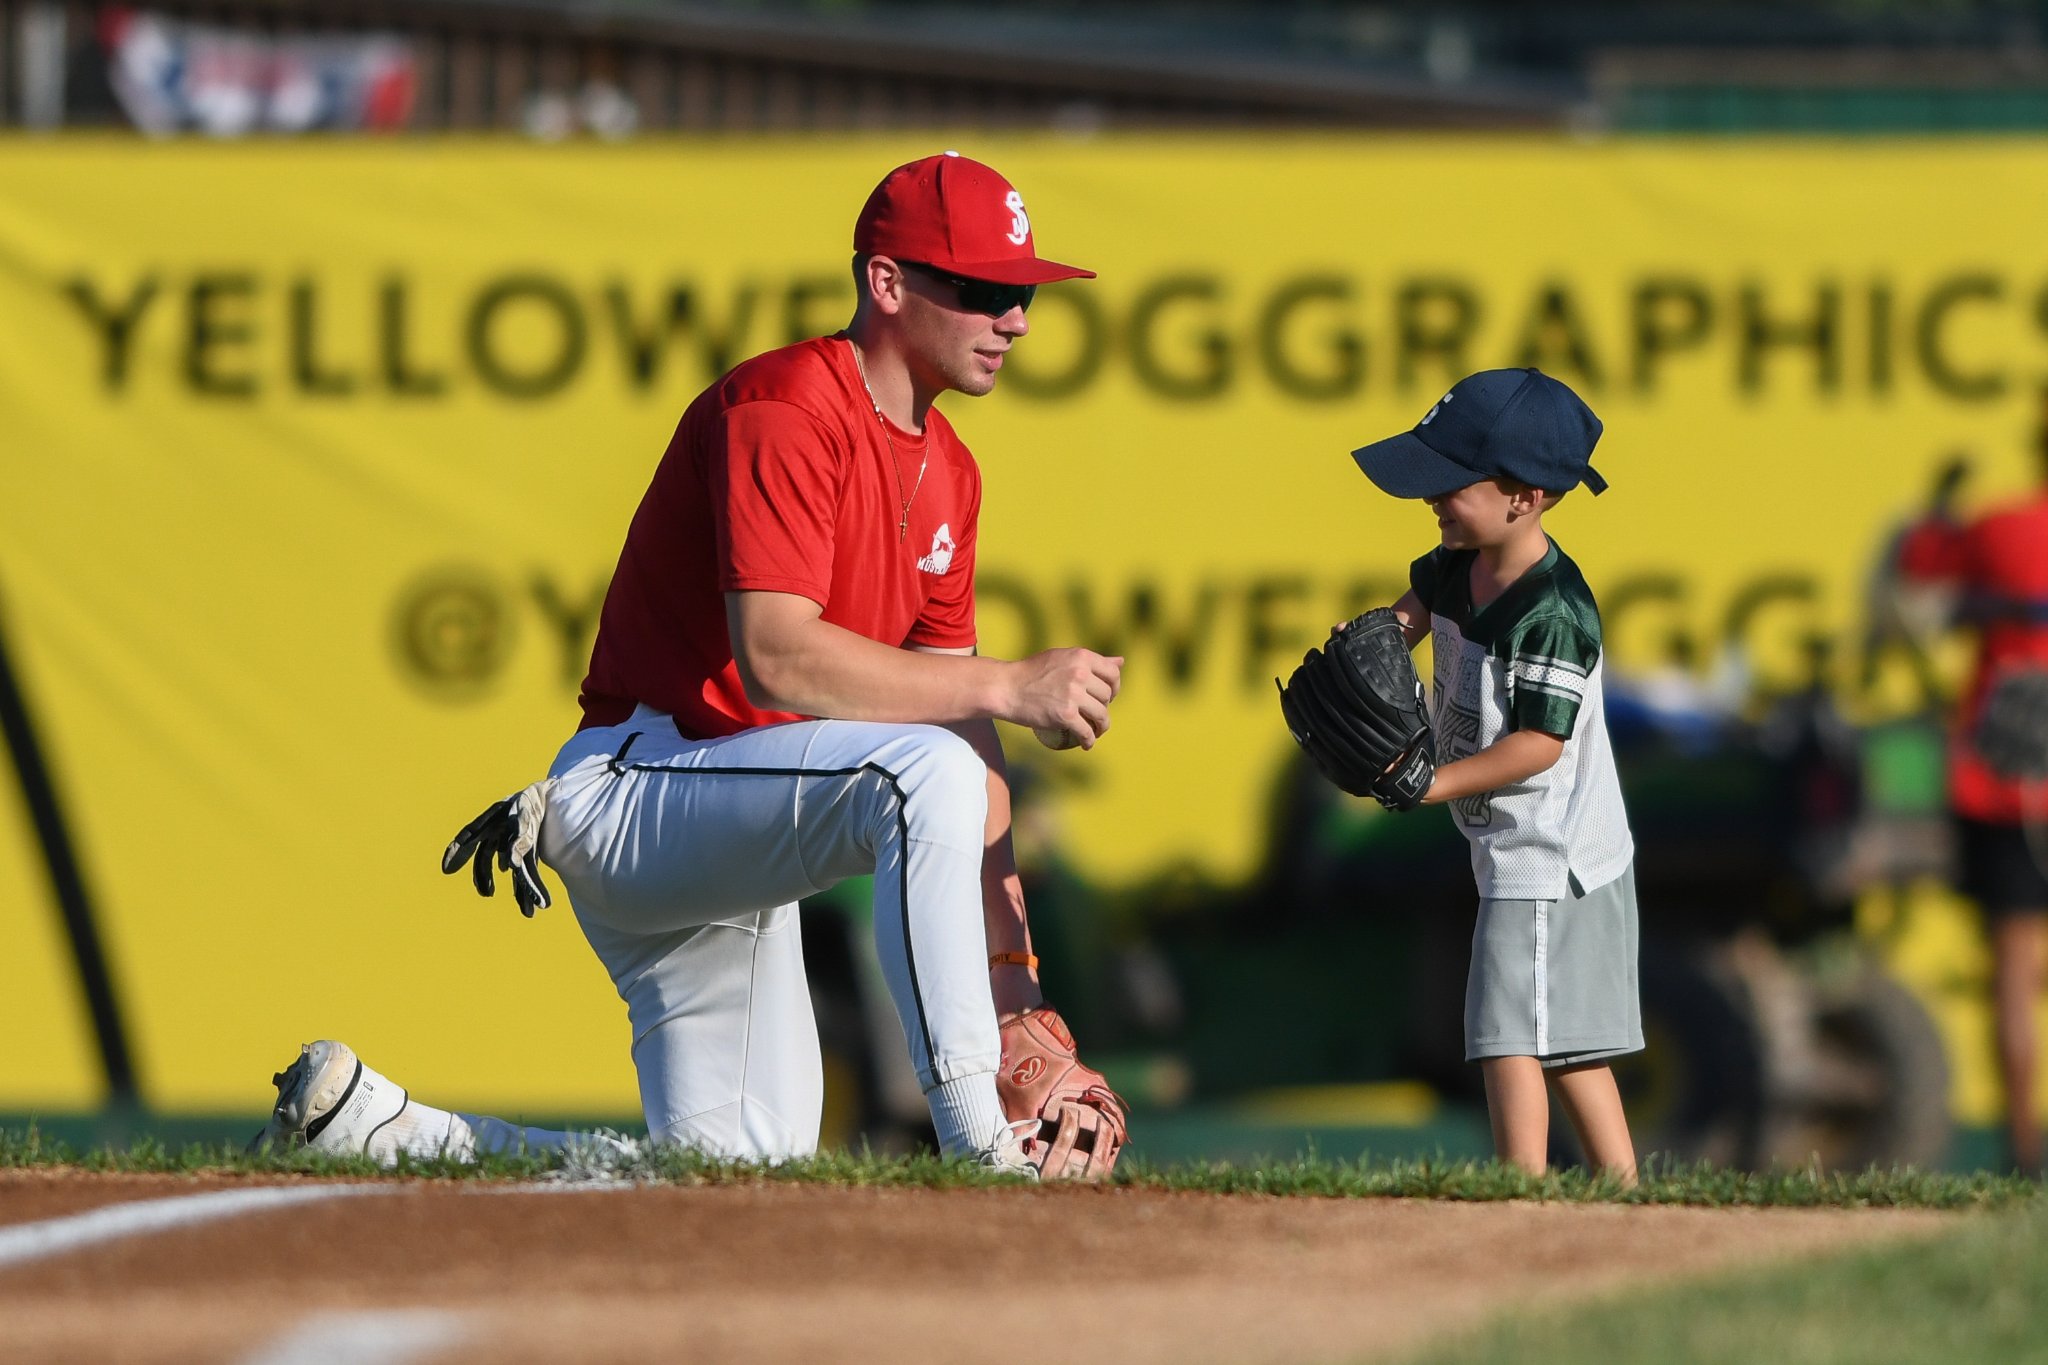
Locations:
366 1337
26 1242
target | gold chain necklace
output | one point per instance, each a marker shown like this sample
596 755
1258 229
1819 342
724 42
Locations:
895 465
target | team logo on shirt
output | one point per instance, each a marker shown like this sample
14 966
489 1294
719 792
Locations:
941 557
1460 680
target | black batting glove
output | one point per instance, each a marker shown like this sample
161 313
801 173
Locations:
508 834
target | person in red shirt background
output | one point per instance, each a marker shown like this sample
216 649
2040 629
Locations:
1998 565
784 692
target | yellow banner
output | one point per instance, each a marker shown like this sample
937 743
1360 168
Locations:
318 456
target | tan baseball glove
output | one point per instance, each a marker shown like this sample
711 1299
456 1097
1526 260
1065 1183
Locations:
1082 1123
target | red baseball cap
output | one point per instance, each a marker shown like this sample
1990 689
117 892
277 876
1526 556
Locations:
958 216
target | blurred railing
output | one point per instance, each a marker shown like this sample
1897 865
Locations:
1875 89
550 69
614 67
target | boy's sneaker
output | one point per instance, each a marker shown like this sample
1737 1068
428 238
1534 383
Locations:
1006 1155
329 1101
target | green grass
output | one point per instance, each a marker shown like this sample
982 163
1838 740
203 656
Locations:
1309 1176
1971 1295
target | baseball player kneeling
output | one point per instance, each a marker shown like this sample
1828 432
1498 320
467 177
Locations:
784 692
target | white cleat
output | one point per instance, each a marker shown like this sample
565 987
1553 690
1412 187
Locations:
1006 1155
329 1101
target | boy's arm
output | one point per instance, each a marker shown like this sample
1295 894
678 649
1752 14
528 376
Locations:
1514 757
1414 617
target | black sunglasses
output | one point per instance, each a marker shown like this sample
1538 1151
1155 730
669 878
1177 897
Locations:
979 296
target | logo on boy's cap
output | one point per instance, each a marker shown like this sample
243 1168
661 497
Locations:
956 214
1512 424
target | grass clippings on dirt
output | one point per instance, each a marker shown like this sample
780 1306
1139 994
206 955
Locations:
1307 1176
1970 1295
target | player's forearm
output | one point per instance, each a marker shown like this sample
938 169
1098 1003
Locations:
815 668
1512 758
1014 985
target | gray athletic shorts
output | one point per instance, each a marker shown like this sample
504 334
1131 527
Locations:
1556 980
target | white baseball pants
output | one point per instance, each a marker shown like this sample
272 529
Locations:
684 860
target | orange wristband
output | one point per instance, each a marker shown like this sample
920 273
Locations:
1029 960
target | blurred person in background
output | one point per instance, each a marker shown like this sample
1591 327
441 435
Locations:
1997 564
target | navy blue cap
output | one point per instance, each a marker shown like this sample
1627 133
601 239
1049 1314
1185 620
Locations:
1514 424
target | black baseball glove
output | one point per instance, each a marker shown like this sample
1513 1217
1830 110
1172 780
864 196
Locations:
1357 709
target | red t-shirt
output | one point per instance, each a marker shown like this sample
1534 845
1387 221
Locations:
2000 563
779 479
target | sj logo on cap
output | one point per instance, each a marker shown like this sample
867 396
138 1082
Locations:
1020 226
1431 417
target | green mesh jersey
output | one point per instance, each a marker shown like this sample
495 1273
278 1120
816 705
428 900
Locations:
1529 659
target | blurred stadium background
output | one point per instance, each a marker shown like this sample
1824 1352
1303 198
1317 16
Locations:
337 341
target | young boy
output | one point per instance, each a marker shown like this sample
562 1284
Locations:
1524 760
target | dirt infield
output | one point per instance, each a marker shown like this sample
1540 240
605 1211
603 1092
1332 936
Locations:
808 1273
